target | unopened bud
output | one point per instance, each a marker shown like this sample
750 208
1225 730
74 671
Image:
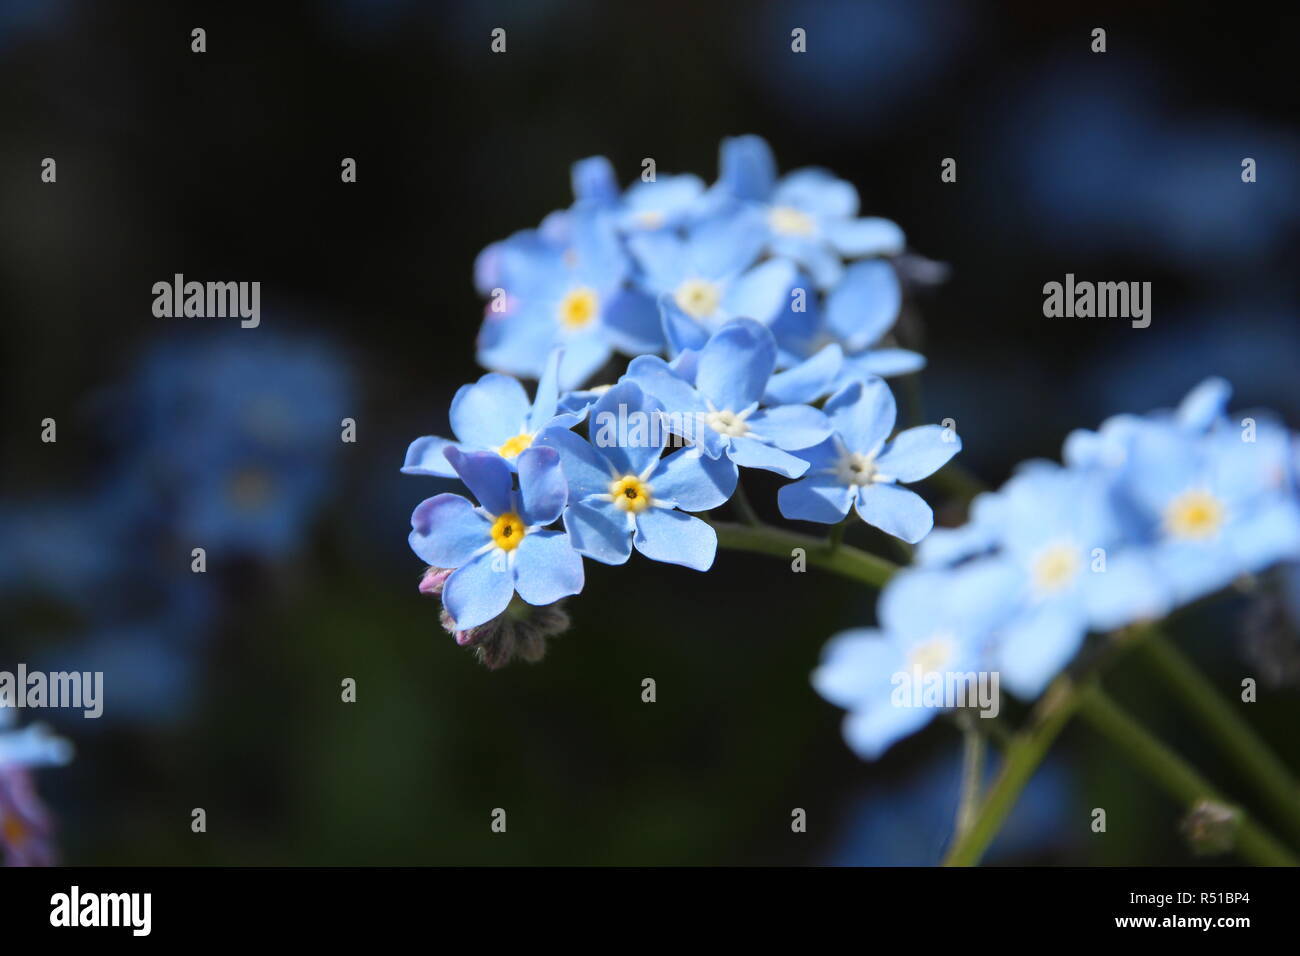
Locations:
1211 827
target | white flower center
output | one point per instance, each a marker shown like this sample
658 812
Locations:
727 422
855 468
788 221
698 298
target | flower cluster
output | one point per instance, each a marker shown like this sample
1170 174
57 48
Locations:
1147 514
754 313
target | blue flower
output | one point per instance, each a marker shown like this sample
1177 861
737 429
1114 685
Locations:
1061 533
707 275
859 466
571 295
621 492
878 675
720 409
500 547
809 216
1214 506
493 414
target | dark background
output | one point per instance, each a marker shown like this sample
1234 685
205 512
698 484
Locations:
225 165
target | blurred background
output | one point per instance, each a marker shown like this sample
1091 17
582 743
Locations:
223 689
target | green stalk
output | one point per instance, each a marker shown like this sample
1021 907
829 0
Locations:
972 773
1174 774
845 559
1222 722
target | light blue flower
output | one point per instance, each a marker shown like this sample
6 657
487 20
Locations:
493 414
622 493
500 547
1214 506
856 316
809 216
860 466
572 295
721 409
932 624
1060 532
707 274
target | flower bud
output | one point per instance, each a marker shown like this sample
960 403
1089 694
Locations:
1211 828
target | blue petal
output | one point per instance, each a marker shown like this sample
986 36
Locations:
594 181
872 236
692 481
487 475
865 304
676 538
896 511
657 378
1037 647
750 453
584 354
663 260
425 457
446 531
746 167
493 409
886 363
681 332
818 192
735 365
547 568
1205 404
761 292
548 393
631 322
863 413
918 453
856 665
599 530
627 426
721 248
808 381
479 591
586 470
790 426
515 343
543 491
820 498
872 732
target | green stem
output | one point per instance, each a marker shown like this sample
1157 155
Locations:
1234 735
845 560
1022 756
1174 774
972 774
746 512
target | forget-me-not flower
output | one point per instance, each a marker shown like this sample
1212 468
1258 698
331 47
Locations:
493 414
722 409
501 546
623 493
860 466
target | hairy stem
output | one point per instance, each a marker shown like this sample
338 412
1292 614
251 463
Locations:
1174 774
1222 722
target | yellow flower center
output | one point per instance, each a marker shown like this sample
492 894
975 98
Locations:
508 531
1055 567
630 493
513 446
650 219
932 655
579 308
698 298
788 221
1195 514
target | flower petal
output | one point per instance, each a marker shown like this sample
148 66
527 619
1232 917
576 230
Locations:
676 538
543 491
692 481
863 413
478 591
790 427
751 453
487 476
918 453
446 531
599 530
896 511
819 497
547 567
493 409
425 456
735 365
